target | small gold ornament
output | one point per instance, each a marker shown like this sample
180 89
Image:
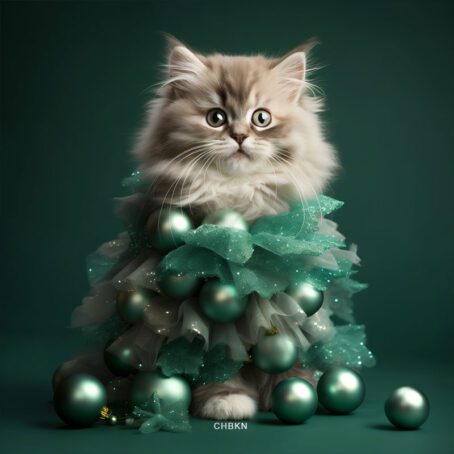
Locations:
105 412
273 331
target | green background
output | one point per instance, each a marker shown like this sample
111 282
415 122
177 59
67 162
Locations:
74 80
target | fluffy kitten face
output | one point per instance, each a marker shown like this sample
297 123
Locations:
245 126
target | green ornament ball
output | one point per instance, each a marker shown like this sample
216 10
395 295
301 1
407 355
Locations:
171 390
165 228
307 296
407 408
178 285
341 390
227 218
123 361
68 368
221 302
132 304
274 354
113 420
294 400
79 399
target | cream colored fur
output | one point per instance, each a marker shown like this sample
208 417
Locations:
194 165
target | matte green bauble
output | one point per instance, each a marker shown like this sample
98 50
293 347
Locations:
132 304
171 390
227 218
341 390
294 400
179 285
307 296
78 400
166 227
407 408
123 361
274 354
221 302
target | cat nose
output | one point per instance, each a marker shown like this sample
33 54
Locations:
240 138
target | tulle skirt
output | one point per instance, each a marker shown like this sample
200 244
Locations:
261 263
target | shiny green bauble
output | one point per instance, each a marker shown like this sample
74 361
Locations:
294 400
341 390
78 400
113 420
170 390
221 302
132 304
178 285
65 370
227 218
274 354
307 296
165 228
124 361
407 408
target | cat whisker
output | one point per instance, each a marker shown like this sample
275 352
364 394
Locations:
185 173
203 169
189 170
177 180
183 155
303 200
268 161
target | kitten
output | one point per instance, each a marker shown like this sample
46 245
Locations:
239 132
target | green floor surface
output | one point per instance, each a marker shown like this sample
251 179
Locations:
30 426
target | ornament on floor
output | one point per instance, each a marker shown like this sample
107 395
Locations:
294 400
307 296
227 218
170 390
68 368
274 353
221 302
79 399
107 415
121 361
131 304
166 227
407 408
341 390
113 420
114 415
179 285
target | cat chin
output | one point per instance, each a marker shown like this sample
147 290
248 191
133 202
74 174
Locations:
239 165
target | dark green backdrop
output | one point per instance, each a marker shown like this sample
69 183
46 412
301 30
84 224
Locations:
75 78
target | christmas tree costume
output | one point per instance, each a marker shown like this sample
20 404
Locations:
200 300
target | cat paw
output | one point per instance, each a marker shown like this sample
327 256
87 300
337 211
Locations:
229 406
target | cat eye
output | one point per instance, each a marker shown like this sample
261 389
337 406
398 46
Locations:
216 118
261 118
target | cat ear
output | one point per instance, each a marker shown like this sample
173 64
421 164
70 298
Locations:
291 73
184 67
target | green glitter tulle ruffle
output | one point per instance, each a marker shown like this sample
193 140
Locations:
266 259
301 244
